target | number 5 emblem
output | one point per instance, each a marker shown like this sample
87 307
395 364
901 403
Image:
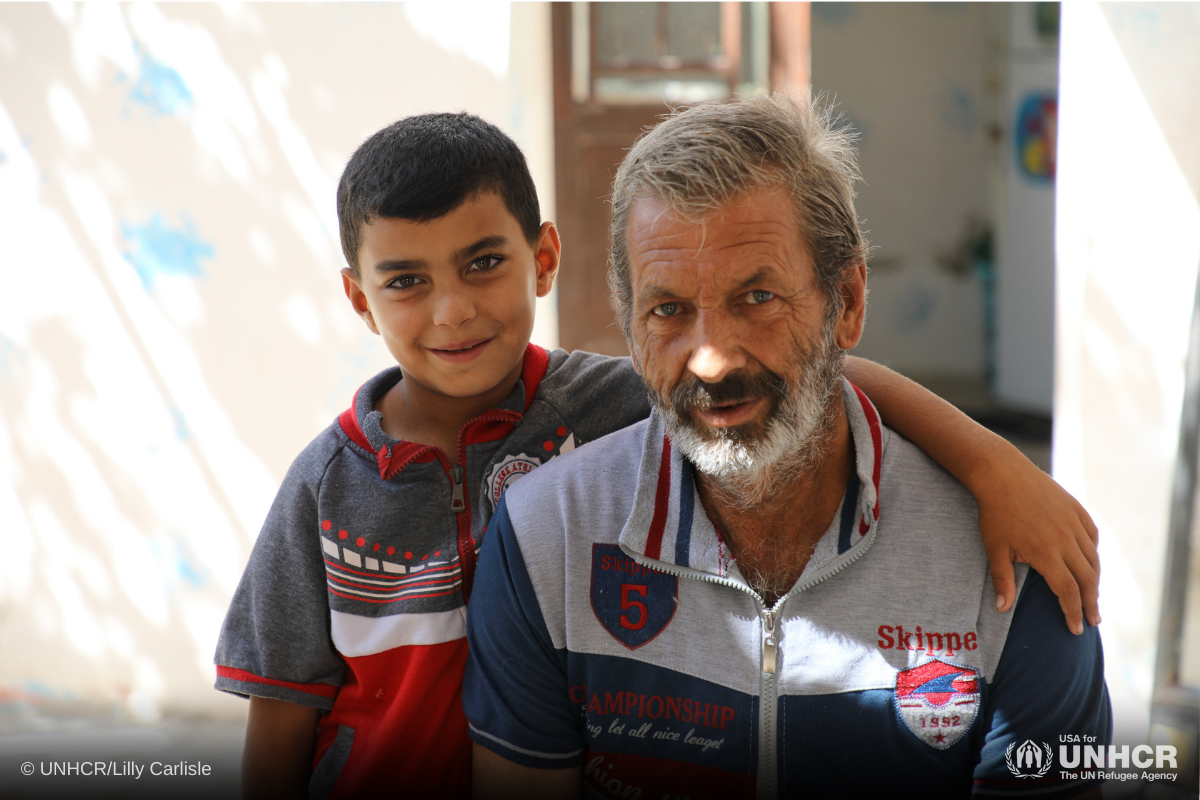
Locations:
634 603
640 618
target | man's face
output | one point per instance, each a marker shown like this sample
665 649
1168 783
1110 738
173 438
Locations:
732 332
453 298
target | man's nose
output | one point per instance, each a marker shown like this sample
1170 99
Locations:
715 348
453 306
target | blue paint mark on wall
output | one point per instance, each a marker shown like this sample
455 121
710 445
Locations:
958 110
160 87
156 248
11 355
176 562
914 308
179 422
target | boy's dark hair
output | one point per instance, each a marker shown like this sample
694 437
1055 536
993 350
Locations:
423 167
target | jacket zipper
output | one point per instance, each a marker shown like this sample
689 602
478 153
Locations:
460 498
768 758
767 705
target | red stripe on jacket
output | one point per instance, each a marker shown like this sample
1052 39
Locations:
319 689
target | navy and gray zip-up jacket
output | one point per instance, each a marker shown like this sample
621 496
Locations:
611 630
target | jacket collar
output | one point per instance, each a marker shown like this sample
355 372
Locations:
668 523
363 424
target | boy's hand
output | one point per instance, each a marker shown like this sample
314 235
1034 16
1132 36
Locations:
1024 515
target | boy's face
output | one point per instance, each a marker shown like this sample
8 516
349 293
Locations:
453 298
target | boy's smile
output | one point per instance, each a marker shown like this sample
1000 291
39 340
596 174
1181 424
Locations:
453 299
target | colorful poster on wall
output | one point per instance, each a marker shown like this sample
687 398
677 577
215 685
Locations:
1036 136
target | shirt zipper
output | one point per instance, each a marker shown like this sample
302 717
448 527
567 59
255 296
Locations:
768 758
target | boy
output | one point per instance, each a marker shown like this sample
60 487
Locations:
348 628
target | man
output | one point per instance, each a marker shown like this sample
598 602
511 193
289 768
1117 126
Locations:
760 591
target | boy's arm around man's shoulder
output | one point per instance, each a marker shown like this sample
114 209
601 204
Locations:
594 394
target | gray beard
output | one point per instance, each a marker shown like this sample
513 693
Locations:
745 468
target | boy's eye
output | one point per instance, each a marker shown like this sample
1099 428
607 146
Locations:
666 310
485 263
404 282
759 296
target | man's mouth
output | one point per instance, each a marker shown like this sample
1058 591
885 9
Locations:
729 413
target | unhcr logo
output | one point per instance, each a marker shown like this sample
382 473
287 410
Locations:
1027 760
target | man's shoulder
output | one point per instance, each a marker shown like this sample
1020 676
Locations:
911 482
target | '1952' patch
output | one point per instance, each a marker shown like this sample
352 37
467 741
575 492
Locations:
634 603
938 701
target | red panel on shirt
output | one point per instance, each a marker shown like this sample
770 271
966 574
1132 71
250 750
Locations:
410 734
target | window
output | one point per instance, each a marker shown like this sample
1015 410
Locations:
647 53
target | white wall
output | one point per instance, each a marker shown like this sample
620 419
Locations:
1128 245
913 78
172 325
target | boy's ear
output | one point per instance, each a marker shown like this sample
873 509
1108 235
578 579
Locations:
358 299
546 252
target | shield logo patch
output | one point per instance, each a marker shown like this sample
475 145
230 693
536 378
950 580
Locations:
938 701
634 603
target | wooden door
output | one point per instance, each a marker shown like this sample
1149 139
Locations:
604 101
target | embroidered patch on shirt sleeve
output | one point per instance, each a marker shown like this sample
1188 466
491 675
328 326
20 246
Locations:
938 701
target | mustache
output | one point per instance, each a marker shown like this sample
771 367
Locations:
694 394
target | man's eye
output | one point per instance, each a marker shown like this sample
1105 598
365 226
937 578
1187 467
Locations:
485 264
666 310
404 282
759 296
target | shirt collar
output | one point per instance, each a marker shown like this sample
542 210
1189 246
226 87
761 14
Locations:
363 424
668 523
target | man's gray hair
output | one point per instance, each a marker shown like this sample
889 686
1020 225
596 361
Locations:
697 159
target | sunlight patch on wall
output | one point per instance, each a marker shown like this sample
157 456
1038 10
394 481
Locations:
1127 246
96 411
302 316
476 30
69 115
318 185
184 71
243 479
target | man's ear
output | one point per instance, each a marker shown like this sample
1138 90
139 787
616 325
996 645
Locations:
358 299
853 293
547 252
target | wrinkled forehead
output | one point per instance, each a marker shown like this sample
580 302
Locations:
754 228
